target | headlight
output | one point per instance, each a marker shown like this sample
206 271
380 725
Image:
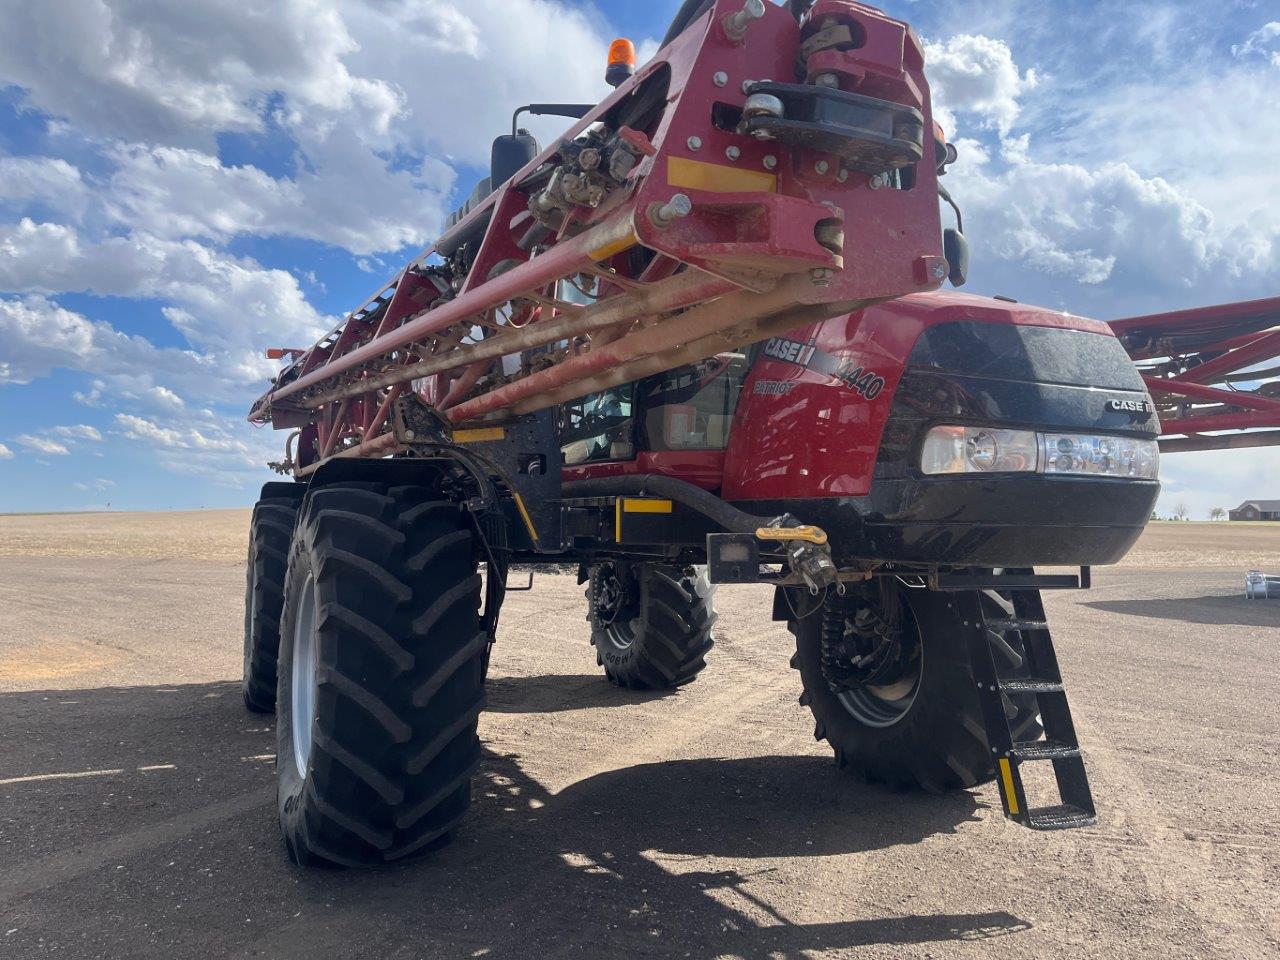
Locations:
991 450
978 450
1082 453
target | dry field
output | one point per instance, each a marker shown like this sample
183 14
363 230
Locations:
220 535
137 802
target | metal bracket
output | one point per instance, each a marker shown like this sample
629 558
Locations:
872 135
947 582
414 421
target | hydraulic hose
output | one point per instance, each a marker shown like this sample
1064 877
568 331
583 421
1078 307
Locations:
652 484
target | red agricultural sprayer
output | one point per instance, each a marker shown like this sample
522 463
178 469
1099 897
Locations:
696 340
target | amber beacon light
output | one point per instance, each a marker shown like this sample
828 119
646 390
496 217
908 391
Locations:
622 61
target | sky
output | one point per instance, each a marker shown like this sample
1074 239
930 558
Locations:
185 184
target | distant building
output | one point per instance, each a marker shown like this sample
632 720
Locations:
1256 510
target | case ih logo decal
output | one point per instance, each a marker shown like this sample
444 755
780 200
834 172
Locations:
866 383
790 351
1130 406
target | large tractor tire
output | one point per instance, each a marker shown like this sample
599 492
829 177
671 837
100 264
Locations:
380 683
651 624
270 532
919 722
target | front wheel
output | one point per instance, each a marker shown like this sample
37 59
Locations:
887 677
380 679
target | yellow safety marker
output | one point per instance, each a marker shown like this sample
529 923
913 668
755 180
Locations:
717 177
809 533
524 515
646 506
479 434
1006 777
627 505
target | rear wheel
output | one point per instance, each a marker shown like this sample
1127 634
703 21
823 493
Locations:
270 532
380 679
651 623
887 677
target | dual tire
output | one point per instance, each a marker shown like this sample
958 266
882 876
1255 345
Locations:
379 681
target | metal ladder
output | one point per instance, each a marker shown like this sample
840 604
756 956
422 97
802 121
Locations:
1038 675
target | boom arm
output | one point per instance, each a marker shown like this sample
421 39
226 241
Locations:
698 208
1213 372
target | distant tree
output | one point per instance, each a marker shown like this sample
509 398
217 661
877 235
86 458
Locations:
1181 510
1217 513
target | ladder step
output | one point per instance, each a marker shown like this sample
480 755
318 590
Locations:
1062 817
1031 685
1043 750
1009 625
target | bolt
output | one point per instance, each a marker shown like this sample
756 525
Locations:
733 153
720 78
409 434
939 271
675 208
821 276
821 167
735 24
827 80
746 85
877 181
842 176
770 161
695 143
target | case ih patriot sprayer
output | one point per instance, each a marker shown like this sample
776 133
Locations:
696 341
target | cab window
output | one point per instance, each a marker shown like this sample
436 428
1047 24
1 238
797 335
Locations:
692 407
599 427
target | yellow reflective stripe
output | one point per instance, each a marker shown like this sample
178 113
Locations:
614 247
646 506
479 434
617 520
524 515
1006 777
717 177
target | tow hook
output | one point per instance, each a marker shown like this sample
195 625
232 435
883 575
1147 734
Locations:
808 554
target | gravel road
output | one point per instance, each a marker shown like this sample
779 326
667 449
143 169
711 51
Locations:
137 796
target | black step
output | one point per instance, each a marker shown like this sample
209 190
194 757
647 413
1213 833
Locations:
1062 817
1031 685
1043 750
1008 625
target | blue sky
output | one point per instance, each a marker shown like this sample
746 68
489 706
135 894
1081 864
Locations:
182 185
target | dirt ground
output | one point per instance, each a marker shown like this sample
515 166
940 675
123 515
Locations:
137 800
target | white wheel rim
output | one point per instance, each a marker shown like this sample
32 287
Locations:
303 697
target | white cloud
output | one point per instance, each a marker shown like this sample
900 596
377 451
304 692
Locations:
346 196
43 445
40 336
80 431
1264 42
5 452
48 180
178 72
975 76
227 307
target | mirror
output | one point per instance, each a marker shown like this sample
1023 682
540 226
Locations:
956 249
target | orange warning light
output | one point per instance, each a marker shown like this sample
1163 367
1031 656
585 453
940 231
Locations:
622 61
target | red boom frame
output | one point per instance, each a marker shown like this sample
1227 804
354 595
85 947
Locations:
772 236
1211 373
